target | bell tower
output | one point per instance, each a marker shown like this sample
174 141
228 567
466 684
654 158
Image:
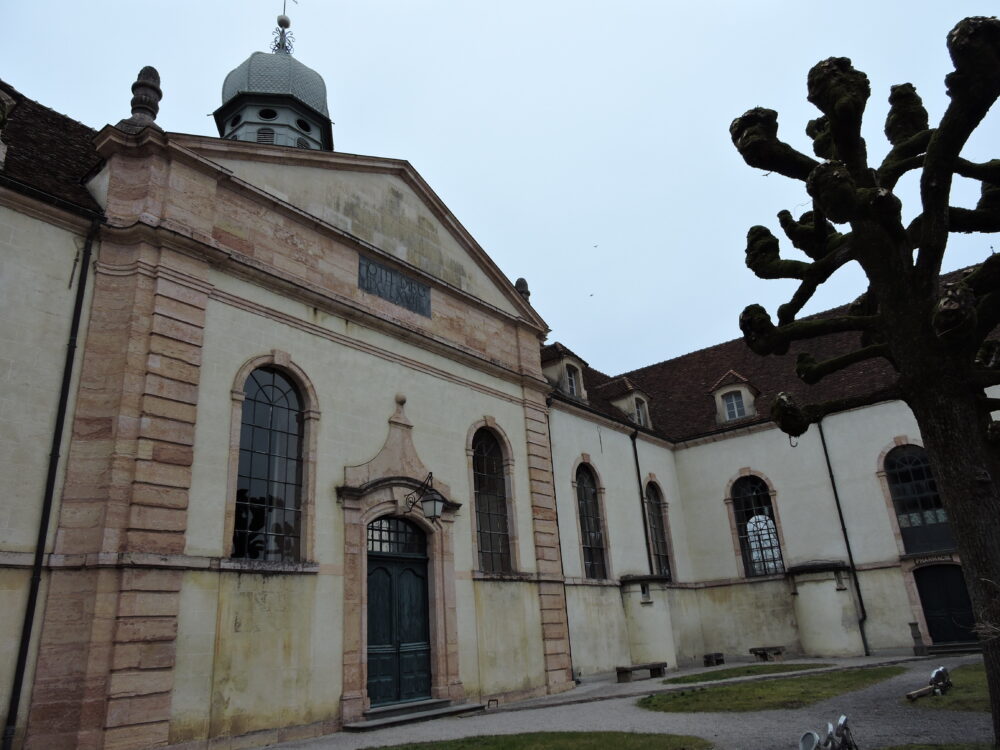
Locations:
271 98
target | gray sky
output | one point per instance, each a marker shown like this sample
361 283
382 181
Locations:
584 144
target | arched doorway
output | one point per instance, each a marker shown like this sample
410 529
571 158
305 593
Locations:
945 602
399 650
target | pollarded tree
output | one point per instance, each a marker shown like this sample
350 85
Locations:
936 337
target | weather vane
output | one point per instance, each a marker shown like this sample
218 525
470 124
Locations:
283 38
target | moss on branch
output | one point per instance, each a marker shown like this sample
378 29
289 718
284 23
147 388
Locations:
755 135
794 420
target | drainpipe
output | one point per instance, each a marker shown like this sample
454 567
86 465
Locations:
642 503
847 542
50 485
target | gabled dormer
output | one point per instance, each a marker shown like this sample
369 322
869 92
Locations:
564 370
735 398
628 398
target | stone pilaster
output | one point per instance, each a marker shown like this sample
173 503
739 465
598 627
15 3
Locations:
551 589
106 654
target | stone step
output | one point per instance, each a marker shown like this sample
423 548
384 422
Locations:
411 707
966 647
411 718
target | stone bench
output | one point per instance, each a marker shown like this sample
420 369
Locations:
769 653
656 669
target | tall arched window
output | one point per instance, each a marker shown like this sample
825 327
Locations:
492 525
657 531
755 527
923 521
268 519
591 525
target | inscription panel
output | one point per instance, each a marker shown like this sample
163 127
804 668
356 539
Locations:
394 286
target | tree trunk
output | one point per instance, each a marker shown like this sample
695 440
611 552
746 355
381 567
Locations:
967 470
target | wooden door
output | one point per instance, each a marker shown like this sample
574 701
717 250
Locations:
398 627
946 604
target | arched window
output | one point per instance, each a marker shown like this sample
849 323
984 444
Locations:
268 519
591 526
490 485
923 521
755 527
657 531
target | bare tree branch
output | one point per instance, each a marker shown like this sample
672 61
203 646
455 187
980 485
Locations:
968 221
841 92
812 233
763 337
794 420
755 135
987 171
974 46
811 372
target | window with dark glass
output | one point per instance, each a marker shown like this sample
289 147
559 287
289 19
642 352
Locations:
641 415
657 531
492 532
269 483
591 525
755 527
265 135
923 521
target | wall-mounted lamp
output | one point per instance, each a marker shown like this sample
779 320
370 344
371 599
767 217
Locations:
431 501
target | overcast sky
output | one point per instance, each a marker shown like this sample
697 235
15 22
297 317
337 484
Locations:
584 144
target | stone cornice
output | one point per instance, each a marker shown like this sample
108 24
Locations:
42 211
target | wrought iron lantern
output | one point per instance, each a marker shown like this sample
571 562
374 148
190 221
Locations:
431 501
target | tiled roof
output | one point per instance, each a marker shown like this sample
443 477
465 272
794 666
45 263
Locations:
680 390
555 351
48 151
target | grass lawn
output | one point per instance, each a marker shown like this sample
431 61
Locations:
968 691
782 692
745 671
567 741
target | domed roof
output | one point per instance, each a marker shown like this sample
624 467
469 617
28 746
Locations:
277 73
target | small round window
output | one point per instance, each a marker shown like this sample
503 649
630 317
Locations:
235 121
267 114
304 126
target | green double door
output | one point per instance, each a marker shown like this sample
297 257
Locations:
399 652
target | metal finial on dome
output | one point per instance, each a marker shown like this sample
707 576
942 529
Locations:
283 38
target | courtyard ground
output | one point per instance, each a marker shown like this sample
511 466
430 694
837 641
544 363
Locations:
878 716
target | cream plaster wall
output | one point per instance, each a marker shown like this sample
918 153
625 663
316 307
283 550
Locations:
356 372
39 268
803 501
380 209
733 619
597 628
651 637
510 658
889 610
611 457
856 440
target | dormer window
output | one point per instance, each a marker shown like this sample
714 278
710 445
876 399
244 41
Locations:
641 413
572 380
733 401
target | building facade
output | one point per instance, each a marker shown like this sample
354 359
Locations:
254 356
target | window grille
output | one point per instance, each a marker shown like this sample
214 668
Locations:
269 478
265 135
734 405
923 521
591 526
396 536
755 527
492 533
657 531
302 143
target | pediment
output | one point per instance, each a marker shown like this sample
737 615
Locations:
383 202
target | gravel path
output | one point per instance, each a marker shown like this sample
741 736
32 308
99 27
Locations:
877 717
